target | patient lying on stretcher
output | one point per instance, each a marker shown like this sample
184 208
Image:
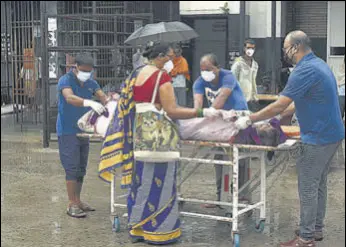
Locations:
199 129
220 130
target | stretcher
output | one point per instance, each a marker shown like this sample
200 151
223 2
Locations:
231 190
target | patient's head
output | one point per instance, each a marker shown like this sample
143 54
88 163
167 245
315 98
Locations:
268 135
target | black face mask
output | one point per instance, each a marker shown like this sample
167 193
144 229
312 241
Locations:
287 58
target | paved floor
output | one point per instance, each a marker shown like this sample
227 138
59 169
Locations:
33 203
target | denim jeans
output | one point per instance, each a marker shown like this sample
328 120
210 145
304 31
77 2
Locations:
312 168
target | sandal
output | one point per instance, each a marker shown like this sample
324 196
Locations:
86 207
75 212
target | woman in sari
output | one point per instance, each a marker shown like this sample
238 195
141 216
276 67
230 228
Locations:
152 202
157 181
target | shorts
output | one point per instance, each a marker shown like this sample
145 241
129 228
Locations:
74 153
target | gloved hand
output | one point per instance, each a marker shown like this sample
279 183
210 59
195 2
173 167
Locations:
229 116
211 112
243 123
97 107
278 117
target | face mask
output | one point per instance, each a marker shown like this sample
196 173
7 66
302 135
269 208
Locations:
208 75
289 58
83 76
250 52
168 66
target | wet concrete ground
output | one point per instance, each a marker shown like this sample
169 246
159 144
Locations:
33 204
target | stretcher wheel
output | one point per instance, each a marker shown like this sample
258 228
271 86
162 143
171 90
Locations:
260 226
236 240
116 224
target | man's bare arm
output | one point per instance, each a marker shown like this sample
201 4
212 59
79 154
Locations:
272 110
289 111
198 101
71 98
221 99
101 96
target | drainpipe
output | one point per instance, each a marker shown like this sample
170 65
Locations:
241 26
273 34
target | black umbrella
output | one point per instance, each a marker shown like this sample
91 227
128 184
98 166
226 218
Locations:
164 32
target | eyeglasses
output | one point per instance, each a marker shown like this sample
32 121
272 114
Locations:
287 48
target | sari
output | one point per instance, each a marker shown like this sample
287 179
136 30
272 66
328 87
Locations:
152 202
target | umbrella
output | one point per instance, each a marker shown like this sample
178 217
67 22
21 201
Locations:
164 31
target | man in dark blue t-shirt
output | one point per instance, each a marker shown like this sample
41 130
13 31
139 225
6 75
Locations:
76 89
222 91
313 89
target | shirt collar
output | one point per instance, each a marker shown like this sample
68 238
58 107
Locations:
306 58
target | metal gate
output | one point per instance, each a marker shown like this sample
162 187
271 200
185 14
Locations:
26 76
20 72
6 87
97 27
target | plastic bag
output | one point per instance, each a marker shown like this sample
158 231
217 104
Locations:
93 123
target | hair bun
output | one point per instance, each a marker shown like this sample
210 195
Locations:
148 50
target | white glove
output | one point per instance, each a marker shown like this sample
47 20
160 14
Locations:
278 117
243 123
211 112
97 107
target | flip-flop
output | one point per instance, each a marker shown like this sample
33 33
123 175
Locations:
75 212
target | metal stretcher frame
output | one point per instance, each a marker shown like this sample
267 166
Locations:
235 152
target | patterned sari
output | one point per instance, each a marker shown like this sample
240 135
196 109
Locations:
152 202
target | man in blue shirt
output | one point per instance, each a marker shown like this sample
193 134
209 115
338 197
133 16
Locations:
222 91
313 89
76 89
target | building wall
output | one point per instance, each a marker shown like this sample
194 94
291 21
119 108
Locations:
260 18
310 17
336 34
212 39
259 28
207 7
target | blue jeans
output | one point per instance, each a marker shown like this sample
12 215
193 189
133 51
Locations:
181 96
74 153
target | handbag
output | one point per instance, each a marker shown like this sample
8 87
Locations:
156 137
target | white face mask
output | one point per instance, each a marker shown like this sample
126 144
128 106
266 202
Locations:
168 66
250 52
208 75
83 76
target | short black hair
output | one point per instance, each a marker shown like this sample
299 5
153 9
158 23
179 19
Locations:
249 41
212 59
156 50
84 59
